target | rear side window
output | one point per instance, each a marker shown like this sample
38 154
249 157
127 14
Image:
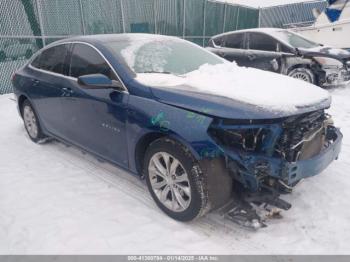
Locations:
262 42
86 61
52 59
235 41
218 41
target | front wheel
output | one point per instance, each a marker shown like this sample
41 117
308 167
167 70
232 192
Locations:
175 180
303 74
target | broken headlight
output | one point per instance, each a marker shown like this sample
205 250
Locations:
330 63
247 139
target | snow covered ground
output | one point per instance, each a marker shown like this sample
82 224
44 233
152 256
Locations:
55 199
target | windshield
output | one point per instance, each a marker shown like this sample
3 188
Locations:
163 55
294 40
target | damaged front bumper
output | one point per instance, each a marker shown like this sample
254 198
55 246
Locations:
334 78
294 172
255 170
262 167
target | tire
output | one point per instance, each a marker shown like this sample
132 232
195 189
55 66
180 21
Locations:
2 56
304 74
182 192
31 123
194 201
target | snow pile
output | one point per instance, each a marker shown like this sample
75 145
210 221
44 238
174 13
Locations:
153 57
268 90
329 50
129 53
336 51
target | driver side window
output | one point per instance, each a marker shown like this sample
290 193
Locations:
86 60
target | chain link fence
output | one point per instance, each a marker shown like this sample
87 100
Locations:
28 25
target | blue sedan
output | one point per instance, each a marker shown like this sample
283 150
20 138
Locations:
130 99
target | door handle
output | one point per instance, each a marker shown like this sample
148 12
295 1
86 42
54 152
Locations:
35 82
66 91
251 57
222 54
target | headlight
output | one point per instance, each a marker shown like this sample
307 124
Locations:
329 62
241 139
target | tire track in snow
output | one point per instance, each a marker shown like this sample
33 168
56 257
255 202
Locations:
212 225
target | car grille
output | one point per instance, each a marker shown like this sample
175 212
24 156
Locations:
302 137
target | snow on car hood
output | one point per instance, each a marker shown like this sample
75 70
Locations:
263 89
326 51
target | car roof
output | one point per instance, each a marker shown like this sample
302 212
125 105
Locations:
252 30
106 38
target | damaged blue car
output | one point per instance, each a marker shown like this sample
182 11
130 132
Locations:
204 133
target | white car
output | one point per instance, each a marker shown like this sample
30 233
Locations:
332 26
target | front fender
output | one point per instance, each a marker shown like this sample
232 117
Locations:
146 116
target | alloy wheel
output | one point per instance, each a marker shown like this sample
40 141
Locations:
302 76
30 121
169 181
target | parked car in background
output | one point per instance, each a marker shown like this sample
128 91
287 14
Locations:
16 48
284 52
192 124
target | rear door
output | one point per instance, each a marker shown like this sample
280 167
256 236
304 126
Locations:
263 52
95 119
234 47
47 79
231 47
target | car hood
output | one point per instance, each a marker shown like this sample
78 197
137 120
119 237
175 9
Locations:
233 92
324 51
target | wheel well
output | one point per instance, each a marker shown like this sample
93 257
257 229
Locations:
21 100
142 146
307 66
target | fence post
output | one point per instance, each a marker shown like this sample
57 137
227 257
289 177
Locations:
184 20
155 16
223 28
82 17
204 21
123 18
237 17
38 6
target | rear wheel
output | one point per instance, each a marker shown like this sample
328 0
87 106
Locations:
304 74
31 123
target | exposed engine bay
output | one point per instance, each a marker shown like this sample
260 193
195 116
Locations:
268 158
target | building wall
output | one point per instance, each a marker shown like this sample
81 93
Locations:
290 15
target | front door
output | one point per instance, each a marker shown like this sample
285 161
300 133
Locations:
263 52
95 118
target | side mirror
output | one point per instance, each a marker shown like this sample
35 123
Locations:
98 81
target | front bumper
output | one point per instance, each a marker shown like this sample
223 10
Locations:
335 78
293 172
253 169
